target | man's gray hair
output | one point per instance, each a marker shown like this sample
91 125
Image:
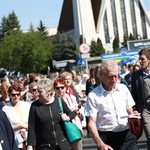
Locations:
107 65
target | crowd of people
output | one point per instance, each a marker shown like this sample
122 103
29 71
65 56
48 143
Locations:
109 93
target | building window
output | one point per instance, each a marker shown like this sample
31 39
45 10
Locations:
106 32
133 18
143 21
124 19
114 18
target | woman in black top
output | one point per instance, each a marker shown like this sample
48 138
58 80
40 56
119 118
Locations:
45 121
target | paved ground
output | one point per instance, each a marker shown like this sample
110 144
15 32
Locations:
88 143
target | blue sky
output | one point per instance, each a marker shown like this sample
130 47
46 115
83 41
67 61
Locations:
32 11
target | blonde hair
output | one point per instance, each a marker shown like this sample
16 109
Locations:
65 74
4 86
31 86
46 84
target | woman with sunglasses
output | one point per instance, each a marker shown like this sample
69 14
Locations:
17 112
70 89
33 94
60 90
45 120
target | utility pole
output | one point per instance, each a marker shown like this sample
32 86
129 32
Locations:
83 39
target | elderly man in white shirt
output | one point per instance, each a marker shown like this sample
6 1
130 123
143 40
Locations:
108 107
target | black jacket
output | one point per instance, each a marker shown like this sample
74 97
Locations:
137 89
6 133
45 125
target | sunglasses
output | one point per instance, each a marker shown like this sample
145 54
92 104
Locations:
18 94
61 87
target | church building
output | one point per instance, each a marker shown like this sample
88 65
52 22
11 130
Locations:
104 19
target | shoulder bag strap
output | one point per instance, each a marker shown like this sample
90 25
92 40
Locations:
60 105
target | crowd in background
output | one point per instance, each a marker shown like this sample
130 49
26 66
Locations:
18 95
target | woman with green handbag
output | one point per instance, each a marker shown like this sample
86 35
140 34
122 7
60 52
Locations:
45 130
60 90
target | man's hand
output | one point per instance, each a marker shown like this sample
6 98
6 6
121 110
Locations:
105 147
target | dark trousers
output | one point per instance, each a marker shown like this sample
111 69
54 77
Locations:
123 140
86 119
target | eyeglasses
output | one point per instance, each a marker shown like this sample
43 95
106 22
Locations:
34 90
61 87
68 79
18 94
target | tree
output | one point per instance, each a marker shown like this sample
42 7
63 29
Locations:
97 48
82 39
26 52
41 26
1 32
116 44
125 39
9 23
131 37
31 28
65 47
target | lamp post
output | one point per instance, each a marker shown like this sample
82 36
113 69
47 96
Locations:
83 39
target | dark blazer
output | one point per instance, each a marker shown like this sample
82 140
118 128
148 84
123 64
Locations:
89 86
46 127
6 133
137 89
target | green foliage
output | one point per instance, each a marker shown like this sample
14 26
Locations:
131 37
41 27
127 38
124 43
31 27
65 47
27 52
116 44
9 23
97 48
82 39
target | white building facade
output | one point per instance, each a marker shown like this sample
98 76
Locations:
104 19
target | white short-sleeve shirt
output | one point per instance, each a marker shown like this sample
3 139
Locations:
110 107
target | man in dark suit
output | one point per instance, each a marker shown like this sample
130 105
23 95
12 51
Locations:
140 89
7 140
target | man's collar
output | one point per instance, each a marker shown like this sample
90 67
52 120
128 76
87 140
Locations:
116 88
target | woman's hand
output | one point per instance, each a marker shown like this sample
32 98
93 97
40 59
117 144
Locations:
136 113
65 117
77 112
23 133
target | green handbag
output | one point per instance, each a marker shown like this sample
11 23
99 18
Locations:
72 132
